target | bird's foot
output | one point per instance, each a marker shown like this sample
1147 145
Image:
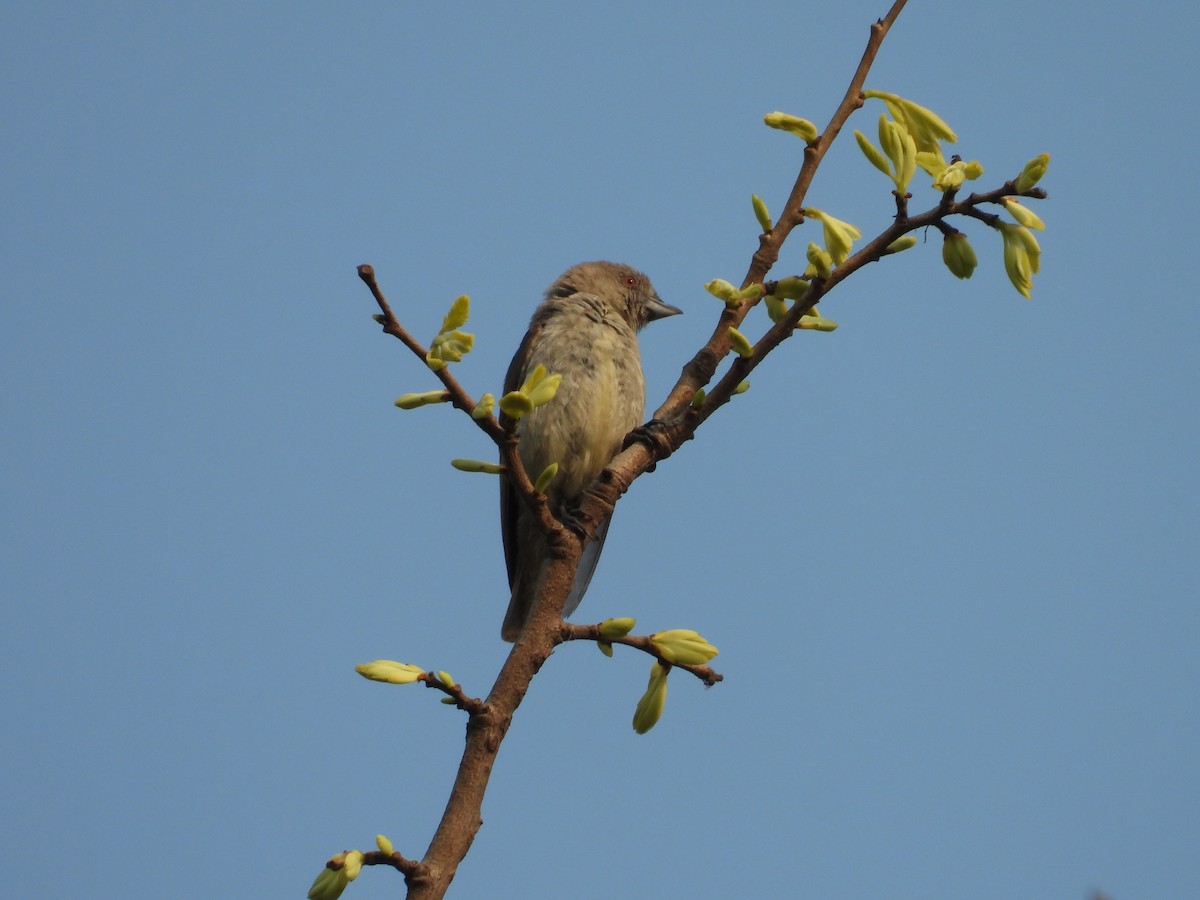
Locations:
654 435
584 528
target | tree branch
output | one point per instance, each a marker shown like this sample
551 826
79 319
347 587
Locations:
674 422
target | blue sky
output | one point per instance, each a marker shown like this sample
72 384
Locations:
948 552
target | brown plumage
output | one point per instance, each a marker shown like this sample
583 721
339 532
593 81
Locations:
585 330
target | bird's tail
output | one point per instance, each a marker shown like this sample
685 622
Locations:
526 589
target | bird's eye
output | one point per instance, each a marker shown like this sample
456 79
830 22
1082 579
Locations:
631 281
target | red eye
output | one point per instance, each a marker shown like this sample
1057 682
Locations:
631 281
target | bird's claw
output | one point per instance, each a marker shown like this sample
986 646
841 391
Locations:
654 435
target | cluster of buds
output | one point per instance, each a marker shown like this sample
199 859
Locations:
451 344
342 869
731 296
913 137
539 388
681 647
839 236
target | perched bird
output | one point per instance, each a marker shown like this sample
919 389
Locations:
585 330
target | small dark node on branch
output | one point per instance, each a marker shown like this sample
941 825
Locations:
367 273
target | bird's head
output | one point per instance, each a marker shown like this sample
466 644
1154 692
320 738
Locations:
623 287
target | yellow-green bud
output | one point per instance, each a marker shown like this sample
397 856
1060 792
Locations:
959 255
412 401
816 323
539 388
515 404
1022 256
484 407
901 149
434 362
683 647
547 476
740 343
650 707
902 243
698 398
889 140
752 291
390 671
460 309
384 845
531 380
761 213
923 124
477 465
791 288
820 260
451 346
605 648
873 154
839 235
353 864
802 128
446 679
776 307
329 883
931 161
951 177
449 701
1033 172
723 290
615 628
1023 214
545 389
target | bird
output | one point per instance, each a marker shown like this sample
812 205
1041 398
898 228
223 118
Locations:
585 330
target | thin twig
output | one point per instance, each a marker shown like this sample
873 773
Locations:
504 441
573 632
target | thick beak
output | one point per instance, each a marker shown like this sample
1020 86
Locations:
656 309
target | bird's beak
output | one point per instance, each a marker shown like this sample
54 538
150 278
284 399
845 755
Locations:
656 309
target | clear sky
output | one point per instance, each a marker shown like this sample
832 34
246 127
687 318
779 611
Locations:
948 552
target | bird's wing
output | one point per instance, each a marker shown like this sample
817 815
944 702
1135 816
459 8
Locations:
509 501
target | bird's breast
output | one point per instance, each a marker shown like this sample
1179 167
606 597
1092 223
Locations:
601 399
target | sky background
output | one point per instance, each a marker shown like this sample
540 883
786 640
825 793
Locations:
948 553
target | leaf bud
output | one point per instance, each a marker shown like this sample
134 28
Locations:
389 671
650 707
802 128
477 465
683 647
412 401
740 344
